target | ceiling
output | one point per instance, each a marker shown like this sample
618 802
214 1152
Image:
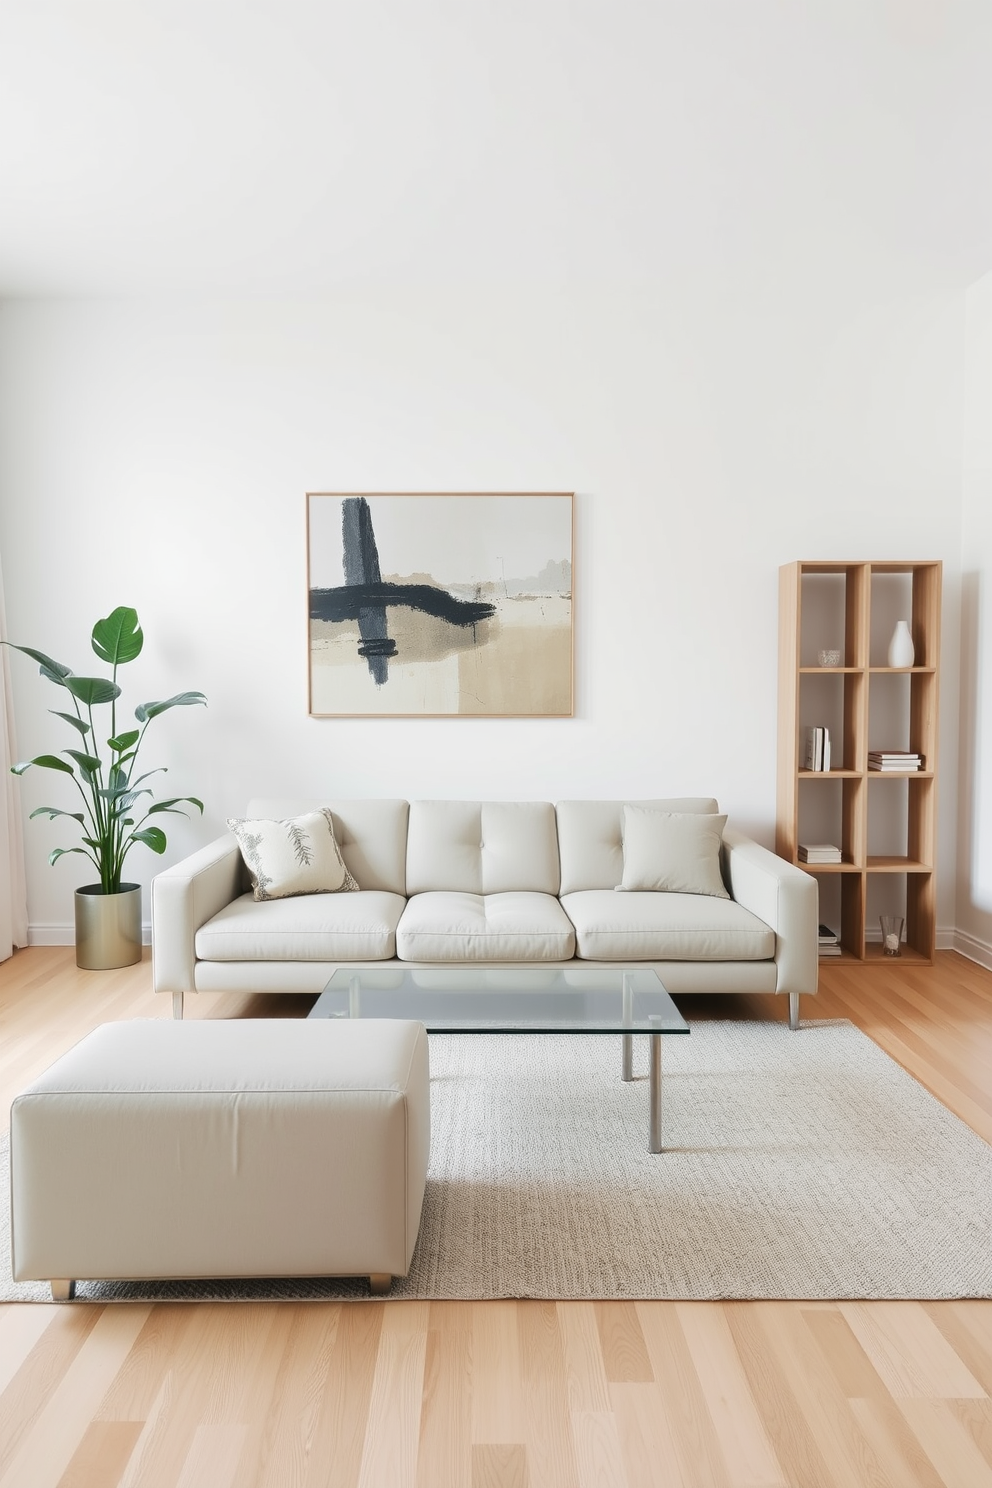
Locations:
298 148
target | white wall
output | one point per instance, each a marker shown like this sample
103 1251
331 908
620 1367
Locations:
714 426
974 904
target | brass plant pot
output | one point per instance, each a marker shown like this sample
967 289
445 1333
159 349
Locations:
108 927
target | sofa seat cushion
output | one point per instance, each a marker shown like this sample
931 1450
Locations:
444 925
307 927
665 927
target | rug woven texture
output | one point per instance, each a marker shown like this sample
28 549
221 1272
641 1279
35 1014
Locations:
797 1165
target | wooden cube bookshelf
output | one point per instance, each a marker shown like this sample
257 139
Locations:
852 607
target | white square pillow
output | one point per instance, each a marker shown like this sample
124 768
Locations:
672 852
295 856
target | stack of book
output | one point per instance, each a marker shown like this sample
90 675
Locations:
894 759
817 752
829 944
818 852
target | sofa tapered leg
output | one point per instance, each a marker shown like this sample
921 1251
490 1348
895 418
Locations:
62 1291
379 1283
793 1010
177 1005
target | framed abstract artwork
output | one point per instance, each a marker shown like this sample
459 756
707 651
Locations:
440 605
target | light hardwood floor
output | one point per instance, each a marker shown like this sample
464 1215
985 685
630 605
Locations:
492 1394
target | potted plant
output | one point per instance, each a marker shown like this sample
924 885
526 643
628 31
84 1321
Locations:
114 814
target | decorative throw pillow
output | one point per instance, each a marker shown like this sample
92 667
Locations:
672 852
296 856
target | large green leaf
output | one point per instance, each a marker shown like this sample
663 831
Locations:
77 723
118 638
46 761
158 770
53 670
120 742
88 763
60 852
91 690
53 811
173 803
144 711
124 799
152 837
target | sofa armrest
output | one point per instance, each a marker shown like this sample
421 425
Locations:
786 898
184 897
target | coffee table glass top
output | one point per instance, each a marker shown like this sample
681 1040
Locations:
505 1000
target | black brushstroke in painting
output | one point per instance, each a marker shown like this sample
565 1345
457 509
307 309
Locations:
365 598
361 570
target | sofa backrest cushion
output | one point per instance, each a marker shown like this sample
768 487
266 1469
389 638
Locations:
370 833
482 847
590 838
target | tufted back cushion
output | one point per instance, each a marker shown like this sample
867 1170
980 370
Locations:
370 833
482 847
590 838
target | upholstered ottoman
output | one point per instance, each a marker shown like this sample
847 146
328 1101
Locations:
223 1148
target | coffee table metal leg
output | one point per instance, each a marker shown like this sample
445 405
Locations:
654 1136
628 1018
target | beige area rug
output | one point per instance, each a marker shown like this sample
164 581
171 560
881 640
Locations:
799 1165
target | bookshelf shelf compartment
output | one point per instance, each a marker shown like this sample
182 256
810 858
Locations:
853 607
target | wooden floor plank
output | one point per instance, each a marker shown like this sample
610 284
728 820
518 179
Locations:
41 1374
976 1417
48 1448
586 1382
102 1455
135 1389
279 1445
896 1449
854 1372
497 1400
343 1412
214 1456
947 1442
647 1438
744 1443
681 1389
500 1465
392 1435
21 1326
598 1454
445 1452
967 1327
550 1448
909 1351
769 1376
625 1353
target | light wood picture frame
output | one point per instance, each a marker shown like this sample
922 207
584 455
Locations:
429 604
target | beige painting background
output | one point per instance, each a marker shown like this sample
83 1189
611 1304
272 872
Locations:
520 662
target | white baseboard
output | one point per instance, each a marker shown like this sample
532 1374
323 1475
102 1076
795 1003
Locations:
65 934
973 948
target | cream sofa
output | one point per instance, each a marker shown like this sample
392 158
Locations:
483 883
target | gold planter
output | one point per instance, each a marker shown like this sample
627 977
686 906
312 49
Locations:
108 927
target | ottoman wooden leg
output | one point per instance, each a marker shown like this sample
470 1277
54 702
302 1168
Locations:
379 1283
62 1291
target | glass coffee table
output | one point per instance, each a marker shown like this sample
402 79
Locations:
517 1000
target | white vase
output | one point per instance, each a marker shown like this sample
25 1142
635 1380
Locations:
901 650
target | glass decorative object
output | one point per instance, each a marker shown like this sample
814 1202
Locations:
892 926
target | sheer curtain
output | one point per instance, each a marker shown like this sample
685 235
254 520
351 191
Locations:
13 891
